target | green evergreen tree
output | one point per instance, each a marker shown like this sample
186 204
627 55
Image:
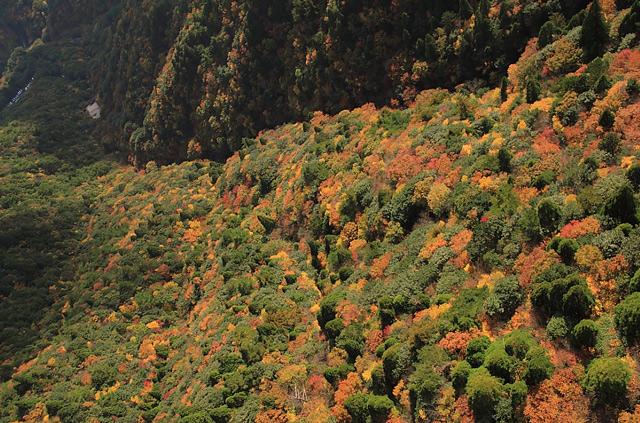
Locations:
631 22
533 90
420 48
633 87
610 143
567 249
503 88
465 11
608 378
578 301
602 84
547 31
549 214
504 159
406 37
379 407
595 32
633 175
484 7
484 391
627 317
356 406
430 49
621 205
607 119
539 366
623 4
585 333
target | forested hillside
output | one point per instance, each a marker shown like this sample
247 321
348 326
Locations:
448 233
192 80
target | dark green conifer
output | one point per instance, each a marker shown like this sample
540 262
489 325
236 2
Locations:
547 31
621 205
406 37
465 10
430 49
503 88
607 119
595 32
632 86
484 7
533 90
623 4
602 84
631 22
610 143
420 48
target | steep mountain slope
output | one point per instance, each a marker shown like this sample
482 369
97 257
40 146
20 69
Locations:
193 79
471 258
190 79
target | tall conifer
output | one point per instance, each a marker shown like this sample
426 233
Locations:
595 32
